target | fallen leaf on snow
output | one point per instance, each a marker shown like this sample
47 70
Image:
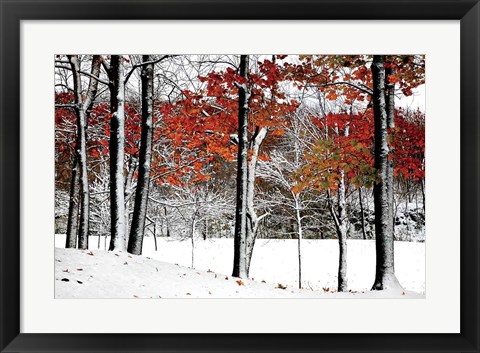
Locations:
240 282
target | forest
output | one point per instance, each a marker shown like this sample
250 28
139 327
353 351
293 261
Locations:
275 164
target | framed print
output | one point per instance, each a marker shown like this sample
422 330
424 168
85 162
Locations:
238 176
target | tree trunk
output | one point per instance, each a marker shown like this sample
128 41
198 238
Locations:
128 194
155 234
135 241
252 218
167 223
72 223
141 197
300 236
117 152
342 236
192 237
405 213
390 107
205 229
339 218
423 195
385 273
239 258
82 110
362 213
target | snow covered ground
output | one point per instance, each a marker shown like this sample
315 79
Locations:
274 262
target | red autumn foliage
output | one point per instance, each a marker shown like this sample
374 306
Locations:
352 154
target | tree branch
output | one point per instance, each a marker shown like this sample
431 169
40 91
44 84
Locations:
351 84
136 66
63 67
94 77
71 105
363 89
64 86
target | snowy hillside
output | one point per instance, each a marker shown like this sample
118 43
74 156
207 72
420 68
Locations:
274 261
100 274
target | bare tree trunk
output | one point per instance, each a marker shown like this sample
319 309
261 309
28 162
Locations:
385 273
82 110
239 258
252 218
72 223
167 223
117 152
300 236
342 235
362 213
423 194
128 194
205 229
155 234
405 213
341 230
192 237
135 241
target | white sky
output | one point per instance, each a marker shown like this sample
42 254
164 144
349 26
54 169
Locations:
416 100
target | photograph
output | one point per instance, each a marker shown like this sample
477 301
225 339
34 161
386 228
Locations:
232 176
239 176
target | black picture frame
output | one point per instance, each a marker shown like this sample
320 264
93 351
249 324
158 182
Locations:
12 12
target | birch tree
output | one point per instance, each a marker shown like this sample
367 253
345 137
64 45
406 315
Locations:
79 171
253 219
280 171
240 268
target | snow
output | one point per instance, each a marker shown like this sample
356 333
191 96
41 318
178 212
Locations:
165 273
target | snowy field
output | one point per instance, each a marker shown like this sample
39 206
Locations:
274 262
